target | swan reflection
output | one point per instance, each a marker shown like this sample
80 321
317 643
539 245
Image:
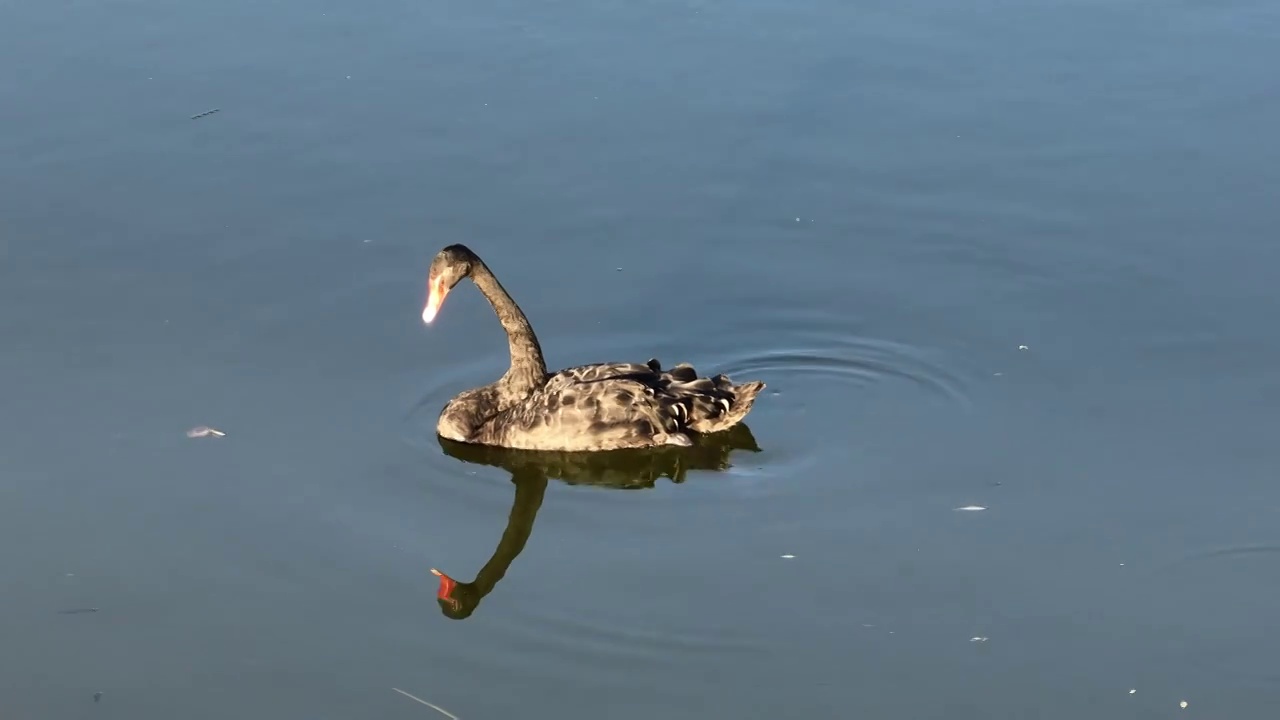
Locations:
530 471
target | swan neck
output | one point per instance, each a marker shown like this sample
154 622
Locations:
528 369
524 510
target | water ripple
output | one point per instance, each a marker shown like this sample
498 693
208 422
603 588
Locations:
608 638
1220 599
809 357
1230 551
857 362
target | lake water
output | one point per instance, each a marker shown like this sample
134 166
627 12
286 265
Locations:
1019 256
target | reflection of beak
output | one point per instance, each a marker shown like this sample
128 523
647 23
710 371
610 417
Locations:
446 586
435 298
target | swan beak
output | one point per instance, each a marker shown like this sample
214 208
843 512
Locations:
435 299
446 585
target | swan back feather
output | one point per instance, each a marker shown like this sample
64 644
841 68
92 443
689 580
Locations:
603 406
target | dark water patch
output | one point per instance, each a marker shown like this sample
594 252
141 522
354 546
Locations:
1206 608
1227 552
602 640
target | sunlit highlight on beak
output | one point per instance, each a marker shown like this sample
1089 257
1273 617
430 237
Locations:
434 300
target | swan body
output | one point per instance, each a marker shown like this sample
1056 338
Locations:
605 406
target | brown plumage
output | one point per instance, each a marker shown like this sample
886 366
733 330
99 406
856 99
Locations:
606 406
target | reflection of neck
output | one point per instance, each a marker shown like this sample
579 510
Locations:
524 509
528 369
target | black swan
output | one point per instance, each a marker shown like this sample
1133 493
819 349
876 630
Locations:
607 406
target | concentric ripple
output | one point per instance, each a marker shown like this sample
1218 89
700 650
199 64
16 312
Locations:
820 371
855 362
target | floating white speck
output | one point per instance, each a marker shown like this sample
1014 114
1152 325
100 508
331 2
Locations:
970 508
1133 690
797 219
1023 347
200 431
1183 704
997 374
787 557
978 639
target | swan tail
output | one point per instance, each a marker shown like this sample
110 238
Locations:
706 404
728 411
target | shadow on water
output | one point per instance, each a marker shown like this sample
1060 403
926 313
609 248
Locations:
530 471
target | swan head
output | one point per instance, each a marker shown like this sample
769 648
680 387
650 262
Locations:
447 270
457 600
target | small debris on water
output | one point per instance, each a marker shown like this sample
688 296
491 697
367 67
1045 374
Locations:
970 508
1133 690
197 116
978 639
1183 704
787 557
78 611
200 431
437 708
97 696
618 269
1023 347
